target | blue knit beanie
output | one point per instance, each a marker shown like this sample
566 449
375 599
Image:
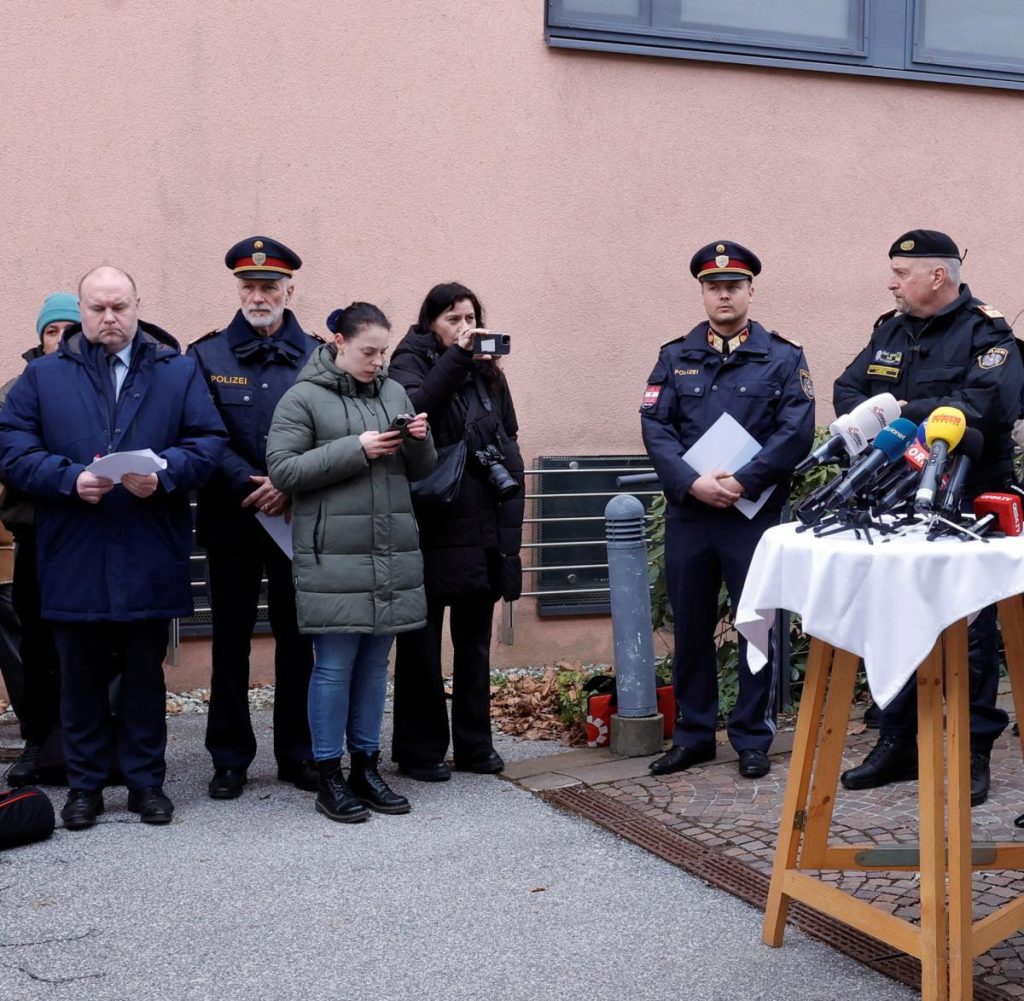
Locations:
58 306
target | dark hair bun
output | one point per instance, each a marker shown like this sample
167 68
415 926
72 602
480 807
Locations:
334 320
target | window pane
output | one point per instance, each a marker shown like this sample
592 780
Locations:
982 27
617 8
817 18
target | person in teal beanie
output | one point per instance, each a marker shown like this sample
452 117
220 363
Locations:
59 311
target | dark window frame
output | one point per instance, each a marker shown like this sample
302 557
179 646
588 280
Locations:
889 43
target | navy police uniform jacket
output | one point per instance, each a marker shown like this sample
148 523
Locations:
247 375
764 384
965 356
125 558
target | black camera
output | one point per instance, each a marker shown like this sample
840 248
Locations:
492 344
498 476
401 423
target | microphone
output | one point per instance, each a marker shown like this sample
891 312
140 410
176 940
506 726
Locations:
1005 509
968 451
889 445
851 432
943 431
905 484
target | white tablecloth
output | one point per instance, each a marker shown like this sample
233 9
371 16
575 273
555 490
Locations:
886 602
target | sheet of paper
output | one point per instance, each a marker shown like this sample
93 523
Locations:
116 464
727 445
278 529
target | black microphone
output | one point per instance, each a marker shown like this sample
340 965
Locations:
889 445
967 452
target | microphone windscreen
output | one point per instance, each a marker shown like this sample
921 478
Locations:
875 413
946 424
971 445
893 440
1006 508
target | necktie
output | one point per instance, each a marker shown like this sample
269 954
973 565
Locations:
114 362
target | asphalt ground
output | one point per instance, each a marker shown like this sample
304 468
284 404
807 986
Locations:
484 891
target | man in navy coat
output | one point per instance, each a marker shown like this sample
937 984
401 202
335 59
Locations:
248 367
113 556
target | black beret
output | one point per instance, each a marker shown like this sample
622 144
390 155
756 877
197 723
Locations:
261 257
924 243
724 261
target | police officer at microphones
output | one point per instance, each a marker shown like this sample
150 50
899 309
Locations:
728 370
248 367
941 348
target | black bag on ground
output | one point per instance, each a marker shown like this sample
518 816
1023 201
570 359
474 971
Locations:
26 815
441 485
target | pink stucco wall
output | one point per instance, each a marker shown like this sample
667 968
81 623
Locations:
397 144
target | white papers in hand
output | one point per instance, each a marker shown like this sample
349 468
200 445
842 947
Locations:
116 464
727 445
279 530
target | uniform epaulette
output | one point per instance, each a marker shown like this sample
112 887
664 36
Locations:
675 340
783 337
990 311
883 318
199 340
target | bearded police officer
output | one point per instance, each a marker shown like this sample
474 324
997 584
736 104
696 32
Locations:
941 346
727 365
248 366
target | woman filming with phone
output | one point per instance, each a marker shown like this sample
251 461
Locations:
344 442
471 530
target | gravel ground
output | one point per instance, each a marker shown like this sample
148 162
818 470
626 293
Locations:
483 891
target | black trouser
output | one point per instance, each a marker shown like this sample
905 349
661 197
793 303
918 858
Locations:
899 717
10 654
234 573
420 715
139 729
41 669
700 551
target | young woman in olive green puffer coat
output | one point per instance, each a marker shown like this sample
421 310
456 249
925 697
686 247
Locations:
357 565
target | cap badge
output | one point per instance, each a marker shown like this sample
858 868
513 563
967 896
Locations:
720 249
259 259
722 260
907 245
258 244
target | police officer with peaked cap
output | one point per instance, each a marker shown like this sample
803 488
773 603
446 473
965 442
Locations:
727 364
941 346
248 366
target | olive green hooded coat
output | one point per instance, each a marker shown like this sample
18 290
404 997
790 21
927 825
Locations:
357 565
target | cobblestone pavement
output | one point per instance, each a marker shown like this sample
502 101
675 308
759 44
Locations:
712 805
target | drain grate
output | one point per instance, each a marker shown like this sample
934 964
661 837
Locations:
735 877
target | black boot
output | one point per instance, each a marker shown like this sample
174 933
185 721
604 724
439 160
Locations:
365 782
892 759
334 799
26 770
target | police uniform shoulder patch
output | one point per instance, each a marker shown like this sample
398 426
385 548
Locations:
204 337
993 358
806 384
783 337
651 396
989 311
883 318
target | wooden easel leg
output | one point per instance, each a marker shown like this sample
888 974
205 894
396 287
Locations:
958 775
805 739
1011 622
931 800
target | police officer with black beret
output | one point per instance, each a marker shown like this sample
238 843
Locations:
941 346
727 365
248 366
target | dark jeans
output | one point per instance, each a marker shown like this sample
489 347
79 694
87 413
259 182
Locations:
139 730
40 714
234 573
899 717
10 654
421 732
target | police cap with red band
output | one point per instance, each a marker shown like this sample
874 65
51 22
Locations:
261 257
723 261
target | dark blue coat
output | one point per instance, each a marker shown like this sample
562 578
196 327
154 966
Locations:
126 557
247 375
764 384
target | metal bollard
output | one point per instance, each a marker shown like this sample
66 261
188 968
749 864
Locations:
637 724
